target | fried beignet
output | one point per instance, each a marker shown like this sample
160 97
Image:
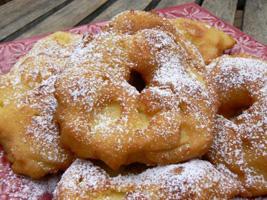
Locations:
195 179
27 131
241 132
102 116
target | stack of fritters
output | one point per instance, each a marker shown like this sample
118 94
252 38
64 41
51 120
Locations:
139 92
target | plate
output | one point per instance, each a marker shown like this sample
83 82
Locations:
13 186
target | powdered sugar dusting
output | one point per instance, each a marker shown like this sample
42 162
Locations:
44 124
237 72
175 74
30 86
99 78
245 135
42 128
193 179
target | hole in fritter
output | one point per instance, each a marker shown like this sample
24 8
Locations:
137 80
1 104
235 104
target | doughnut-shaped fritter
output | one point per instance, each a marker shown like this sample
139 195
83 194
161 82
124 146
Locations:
102 116
27 131
241 135
129 22
195 179
210 41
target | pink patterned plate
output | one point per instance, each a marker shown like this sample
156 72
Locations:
18 187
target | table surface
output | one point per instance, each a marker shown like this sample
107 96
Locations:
25 18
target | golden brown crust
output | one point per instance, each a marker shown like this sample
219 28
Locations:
27 130
210 41
129 22
240 141
192 180
103 117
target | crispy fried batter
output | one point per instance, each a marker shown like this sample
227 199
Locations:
27 105
210 41
195 179
103 117
129 22
241 136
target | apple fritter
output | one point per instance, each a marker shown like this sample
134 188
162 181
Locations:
210 41
28 133
102 116
240 141
194 180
